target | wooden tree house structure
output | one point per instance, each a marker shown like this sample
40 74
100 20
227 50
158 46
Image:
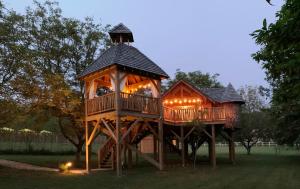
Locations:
123 100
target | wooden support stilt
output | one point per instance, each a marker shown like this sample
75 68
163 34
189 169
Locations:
231 147
118 124
129 158
155 147
136 154
160 128
161 145
182 146
87 149
213 147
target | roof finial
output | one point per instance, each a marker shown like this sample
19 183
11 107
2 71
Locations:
120 33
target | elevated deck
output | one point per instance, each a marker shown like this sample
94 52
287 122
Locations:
129 104
139 105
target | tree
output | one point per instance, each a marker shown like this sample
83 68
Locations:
254 121
58 49
196 78
280 58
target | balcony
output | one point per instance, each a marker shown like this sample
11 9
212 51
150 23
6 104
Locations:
128 102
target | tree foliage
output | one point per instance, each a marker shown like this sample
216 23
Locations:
41 54
196 78
280 58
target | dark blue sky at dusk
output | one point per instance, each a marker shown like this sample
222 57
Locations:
207 35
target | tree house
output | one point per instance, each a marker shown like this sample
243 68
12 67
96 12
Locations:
194 116
123 100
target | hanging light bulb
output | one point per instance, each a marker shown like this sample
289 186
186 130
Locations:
175 100
184 100
180 102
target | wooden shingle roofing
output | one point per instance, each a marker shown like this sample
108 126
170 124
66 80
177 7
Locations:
125 56
220 95
223 94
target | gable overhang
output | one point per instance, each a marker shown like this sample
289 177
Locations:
189 86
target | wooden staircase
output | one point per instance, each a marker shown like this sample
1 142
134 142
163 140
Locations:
106 154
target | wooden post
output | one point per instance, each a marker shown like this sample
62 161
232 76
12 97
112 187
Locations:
129 153
213 146
160 129
182 146
231 147
136 154
99 159
154 147
87 158
118 124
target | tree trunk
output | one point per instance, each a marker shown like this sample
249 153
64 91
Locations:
248 150
78 155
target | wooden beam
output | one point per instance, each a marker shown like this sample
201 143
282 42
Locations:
182 146
118 124
109 129
188 134
130 128
93 132
175 134
145 156
231 147
137 131
213 146
151 129
202 129
160 128
157 86
87 160
225 136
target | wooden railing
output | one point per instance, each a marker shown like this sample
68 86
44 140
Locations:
128 102
139 103
188 115
101 104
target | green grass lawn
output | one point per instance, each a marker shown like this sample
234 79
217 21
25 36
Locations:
263 169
